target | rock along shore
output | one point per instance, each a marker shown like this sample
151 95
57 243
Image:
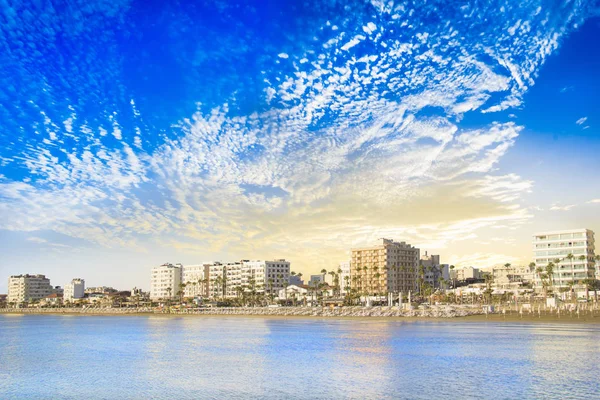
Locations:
356 311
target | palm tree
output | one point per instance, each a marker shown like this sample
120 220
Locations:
453 276
550 274
569 257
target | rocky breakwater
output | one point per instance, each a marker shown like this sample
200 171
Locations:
88 310
375 312
450 311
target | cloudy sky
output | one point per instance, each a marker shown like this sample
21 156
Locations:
135 133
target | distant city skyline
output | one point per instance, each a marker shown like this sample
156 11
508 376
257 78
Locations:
169 134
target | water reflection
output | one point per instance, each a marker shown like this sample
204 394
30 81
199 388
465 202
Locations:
217 357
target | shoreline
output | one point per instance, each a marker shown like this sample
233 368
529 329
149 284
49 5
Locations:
442 314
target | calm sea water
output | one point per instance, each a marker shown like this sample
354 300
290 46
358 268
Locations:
95 357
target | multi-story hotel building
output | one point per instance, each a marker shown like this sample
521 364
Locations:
195 280
26 288
271 276
572 253
165 281
228 280
74 290
223 279
389 267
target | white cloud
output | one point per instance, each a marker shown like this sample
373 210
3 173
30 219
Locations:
581 121
558 207
36 239
594 201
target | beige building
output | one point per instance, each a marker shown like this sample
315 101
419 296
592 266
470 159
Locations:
27 288
512 277
465 274
389 267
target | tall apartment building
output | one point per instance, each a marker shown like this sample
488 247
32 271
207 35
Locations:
195 280
26 288
224 279
271 276
165 281
74 290
389 267
556 246
227 280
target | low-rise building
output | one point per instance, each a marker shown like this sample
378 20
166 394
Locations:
100 289
465 274
294 292
295 280
28 288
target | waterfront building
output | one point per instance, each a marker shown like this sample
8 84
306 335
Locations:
465 274
27 288
316 280
295 280
434 271
53 299
271 275
571 252
345 277
74 290
294 292
389 267
195 280
229 280
165 281
100 289
511 277
223 279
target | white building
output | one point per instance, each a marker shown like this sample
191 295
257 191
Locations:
224 279
345 277
571 252
229 280
165 281
27 288
294 292
271 275
195 280
74 290
434 270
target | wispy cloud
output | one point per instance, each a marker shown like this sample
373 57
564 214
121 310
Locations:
594 201
558 207
358 136
581 121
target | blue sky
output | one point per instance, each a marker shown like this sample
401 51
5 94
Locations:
135 133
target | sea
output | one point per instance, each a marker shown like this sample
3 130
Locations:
192 357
